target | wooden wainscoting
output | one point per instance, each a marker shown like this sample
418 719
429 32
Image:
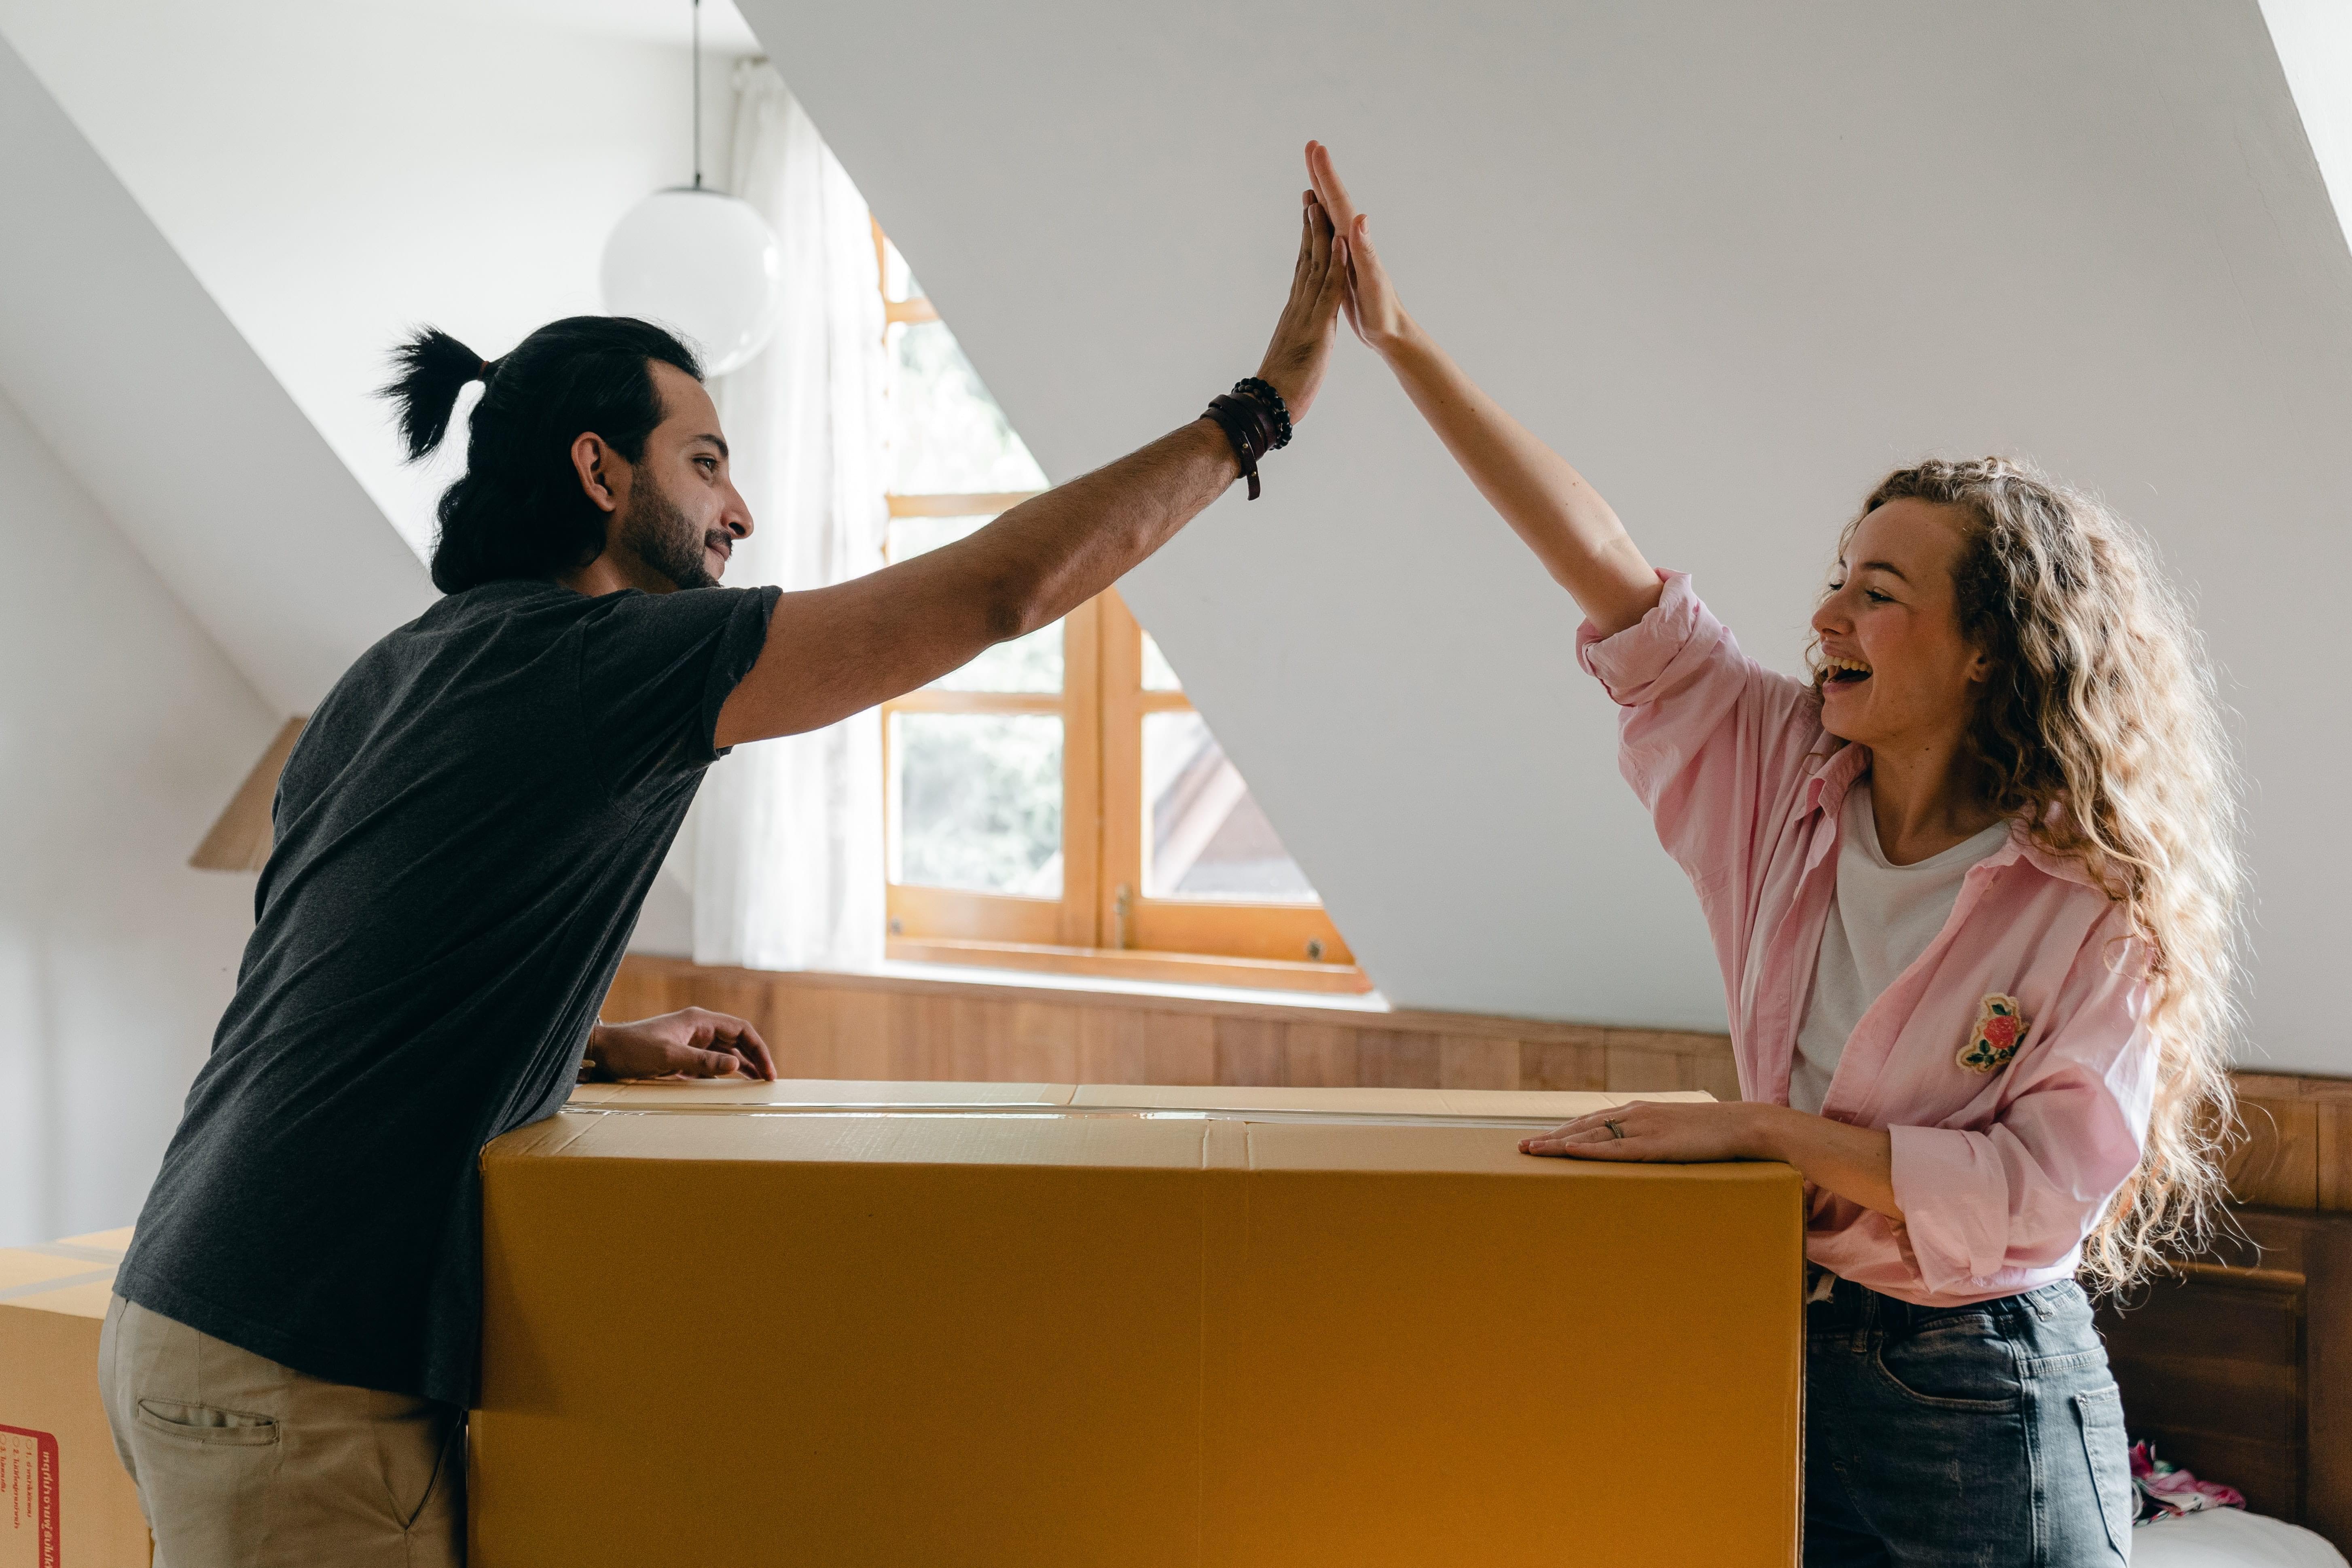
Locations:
886 1027
2296 1153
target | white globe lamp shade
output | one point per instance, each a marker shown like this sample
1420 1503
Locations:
702 263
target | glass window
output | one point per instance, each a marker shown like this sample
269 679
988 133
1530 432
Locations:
1205 836
1159 675
1032 663
979 802
947 435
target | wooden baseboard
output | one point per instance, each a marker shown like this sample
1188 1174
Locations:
2296 1153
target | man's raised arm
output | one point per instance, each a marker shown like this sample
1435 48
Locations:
831 652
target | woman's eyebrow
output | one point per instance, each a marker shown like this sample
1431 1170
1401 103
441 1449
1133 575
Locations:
1887 566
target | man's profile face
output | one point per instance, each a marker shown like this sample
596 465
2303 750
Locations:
683 514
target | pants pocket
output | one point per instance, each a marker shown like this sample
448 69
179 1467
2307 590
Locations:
204 1476
204 1424
430 1444
1963 1364
2099 1412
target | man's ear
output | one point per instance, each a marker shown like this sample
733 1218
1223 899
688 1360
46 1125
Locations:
601 470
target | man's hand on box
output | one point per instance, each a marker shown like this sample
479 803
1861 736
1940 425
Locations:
692 1043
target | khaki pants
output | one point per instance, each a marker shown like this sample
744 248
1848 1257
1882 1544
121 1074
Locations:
243 1463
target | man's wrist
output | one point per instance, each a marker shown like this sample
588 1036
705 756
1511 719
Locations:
1213 434
592 1058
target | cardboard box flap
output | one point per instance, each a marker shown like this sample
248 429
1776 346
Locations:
83 1296
918 1136
1097 1137
116 1241
735 1093
1525 1104
27 1270
1551 1107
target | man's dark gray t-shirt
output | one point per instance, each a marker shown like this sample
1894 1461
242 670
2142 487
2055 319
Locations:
464 833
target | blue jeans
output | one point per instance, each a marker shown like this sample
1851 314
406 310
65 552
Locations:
1982 1437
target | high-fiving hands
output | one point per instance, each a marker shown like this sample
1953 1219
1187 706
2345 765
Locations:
1373 309
1301 348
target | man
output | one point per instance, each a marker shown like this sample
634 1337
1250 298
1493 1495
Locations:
464 835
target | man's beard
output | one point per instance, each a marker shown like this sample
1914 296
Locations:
664 538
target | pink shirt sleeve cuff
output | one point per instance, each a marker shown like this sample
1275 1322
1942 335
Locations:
1955 1200
1632 661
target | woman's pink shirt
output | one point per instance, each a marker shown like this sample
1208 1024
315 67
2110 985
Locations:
2000 1175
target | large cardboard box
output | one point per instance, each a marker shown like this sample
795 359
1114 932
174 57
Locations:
65 1502
1118 1325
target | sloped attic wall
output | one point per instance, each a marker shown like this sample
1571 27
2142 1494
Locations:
1736 260
335 173
120 360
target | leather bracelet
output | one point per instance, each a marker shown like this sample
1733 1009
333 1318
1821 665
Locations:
1263 390
1249 424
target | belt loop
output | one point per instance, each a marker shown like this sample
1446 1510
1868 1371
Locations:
1865 1318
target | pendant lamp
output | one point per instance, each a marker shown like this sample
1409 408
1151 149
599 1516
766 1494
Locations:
698 260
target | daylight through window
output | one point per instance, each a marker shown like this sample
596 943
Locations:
1058 803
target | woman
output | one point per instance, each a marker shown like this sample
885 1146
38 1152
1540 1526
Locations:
1973 890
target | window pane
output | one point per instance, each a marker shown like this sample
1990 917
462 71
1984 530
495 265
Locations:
911 536
949 436
1205 836
1032 663
1159 675
979 799
897 283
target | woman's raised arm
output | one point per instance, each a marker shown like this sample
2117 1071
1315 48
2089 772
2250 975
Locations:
1563 519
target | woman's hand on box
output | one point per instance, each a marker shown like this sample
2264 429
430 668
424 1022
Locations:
691 1043
1855 1163
1689 1134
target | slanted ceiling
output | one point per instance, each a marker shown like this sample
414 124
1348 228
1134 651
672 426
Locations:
132 374
1737 260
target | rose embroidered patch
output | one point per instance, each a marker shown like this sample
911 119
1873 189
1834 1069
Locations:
1999 1029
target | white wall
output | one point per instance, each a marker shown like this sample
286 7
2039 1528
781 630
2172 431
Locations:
123 730
129 372
336 174
1736 261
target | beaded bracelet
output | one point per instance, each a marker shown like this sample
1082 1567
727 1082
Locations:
1254 386
1255 420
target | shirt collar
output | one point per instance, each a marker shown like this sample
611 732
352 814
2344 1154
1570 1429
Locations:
1833 778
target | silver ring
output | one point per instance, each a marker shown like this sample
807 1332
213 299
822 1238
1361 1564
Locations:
1616 1129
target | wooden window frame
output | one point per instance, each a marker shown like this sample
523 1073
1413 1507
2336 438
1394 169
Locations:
1102 925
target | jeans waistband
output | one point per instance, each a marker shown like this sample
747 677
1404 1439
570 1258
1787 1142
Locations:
1850 1306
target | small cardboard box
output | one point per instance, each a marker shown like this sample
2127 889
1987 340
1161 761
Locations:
65 1502
1118 1324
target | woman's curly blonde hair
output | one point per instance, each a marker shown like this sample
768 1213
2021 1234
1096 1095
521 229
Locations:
2101 729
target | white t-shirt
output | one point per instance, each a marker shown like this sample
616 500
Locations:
1881 918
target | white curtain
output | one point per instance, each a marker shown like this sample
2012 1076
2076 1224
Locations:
788 841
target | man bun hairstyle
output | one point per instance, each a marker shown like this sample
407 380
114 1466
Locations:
518 511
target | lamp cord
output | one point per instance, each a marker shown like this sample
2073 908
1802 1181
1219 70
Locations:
698 94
